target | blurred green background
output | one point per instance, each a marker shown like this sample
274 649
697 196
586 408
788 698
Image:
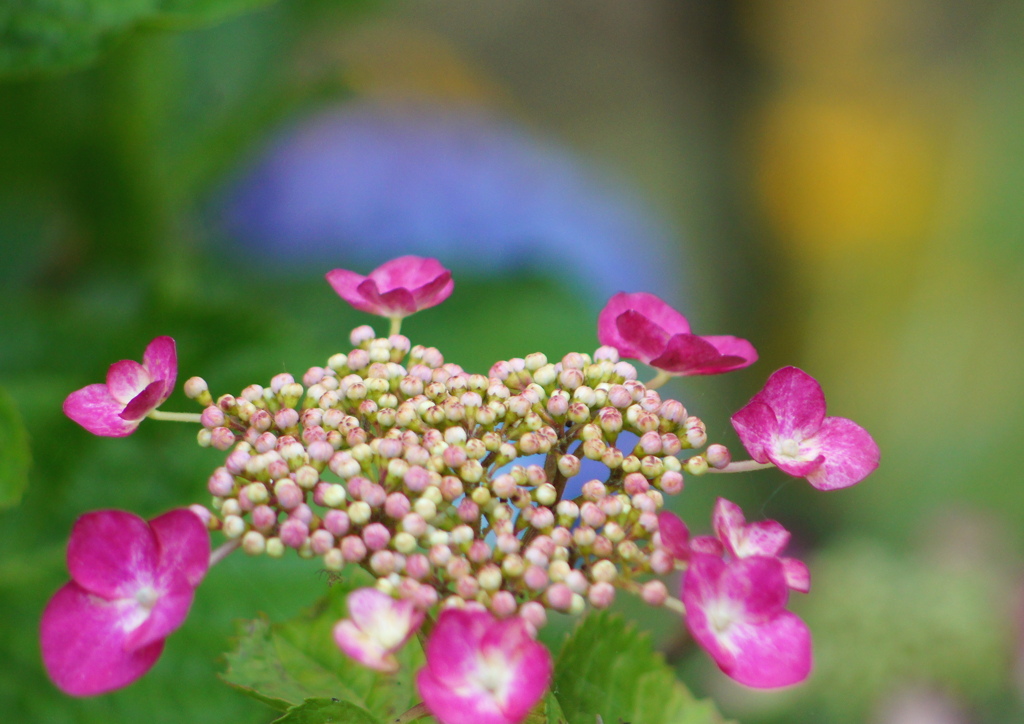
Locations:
841 183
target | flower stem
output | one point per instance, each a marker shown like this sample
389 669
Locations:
396 326
175 416
417 712
742 466
221 552
658 380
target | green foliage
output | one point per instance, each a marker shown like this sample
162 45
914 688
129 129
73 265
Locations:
15 455
607 668
284 665
48 35
327 711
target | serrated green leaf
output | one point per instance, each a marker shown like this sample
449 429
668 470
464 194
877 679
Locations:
283 665
47 35
327 711
15 456
607 668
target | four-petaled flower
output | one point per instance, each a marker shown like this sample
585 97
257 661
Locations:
395 289
132 584
379 625
785 424
736 611
643 327
764 538
481 670
131 392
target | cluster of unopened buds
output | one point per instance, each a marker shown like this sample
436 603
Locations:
479 502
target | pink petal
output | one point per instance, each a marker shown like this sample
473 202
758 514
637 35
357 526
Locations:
83 639
764 538
360 646
729 346
184 544
408 272
126 379
392 303
646 305
772 654
111 553
675 536
434 292
166 615
798 468
161 359
728 521
851 454
758 584
707 544
797 400
690 354
641 338
798 577
144 403
464 706
95 409
757 426
451 650
346 284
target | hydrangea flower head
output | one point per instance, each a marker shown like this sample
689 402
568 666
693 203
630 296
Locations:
641 326
736 611
395 289
132 584
785 424
378 626
482 670
131 392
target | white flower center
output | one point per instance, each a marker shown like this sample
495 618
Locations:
146 597
493 674
790 448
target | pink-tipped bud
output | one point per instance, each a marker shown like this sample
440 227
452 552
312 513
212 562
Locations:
288 494
718 456
222 438
353 549
479 551
451 487
221 483
662 562
294 533
503 604
601 595
212 417
376 536
397 506
321 541
635 483
417 566
654 593
650 443
536 578
337 522
559 597
594 490
671 482
592 515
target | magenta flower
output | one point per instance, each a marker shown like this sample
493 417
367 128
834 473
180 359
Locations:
379 626
642 327
785 424
736 612
481 670
132 584
395 289
131 392
676 540
766 538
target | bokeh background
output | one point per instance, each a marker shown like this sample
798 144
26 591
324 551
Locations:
841 183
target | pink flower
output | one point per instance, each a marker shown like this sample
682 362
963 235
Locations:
766 538
736 612
395 289
481 670
643 327
379 626
785 424
131 392
131 585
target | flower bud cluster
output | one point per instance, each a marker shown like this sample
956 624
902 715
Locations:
449 487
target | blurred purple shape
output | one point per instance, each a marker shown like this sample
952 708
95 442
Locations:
366 182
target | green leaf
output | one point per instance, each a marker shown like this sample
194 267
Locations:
15 456
607 668
327 711
282 665
47 35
